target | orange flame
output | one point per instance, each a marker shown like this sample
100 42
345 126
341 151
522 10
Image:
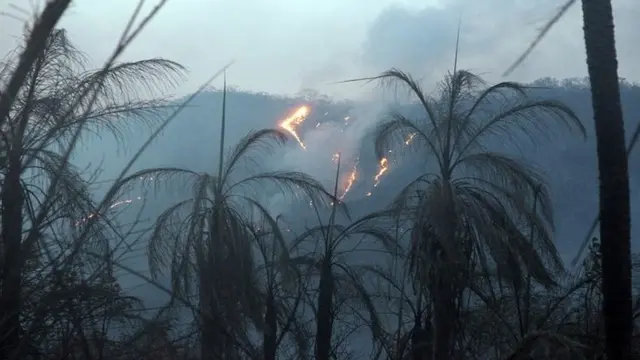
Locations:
384 163
383 169
290 123
353 176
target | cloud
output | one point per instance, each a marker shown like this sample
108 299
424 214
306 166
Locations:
493 34
402 38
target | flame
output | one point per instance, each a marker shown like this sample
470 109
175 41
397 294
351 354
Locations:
290 123
353 176
384 163
383 169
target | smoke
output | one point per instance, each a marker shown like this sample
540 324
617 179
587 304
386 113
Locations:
493 34
330 134
405 39
421 39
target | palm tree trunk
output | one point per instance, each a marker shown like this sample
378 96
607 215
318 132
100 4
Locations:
209 342
445 278
421 339
444 319
271 328
324 317
614 177
10 300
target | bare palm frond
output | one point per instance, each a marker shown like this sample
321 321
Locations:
396 76
56 101
543 32
39 35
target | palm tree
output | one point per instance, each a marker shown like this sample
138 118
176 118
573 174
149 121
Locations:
210 234
409 336
332 241
614 212
475 209
409 308
280 286
60 95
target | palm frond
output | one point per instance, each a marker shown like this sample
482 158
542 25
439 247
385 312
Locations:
286 182
35 44
543 32
395 130
262 142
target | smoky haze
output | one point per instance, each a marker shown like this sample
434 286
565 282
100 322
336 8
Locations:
192 140
291 55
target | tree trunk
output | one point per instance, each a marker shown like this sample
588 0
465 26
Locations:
271 329
443 319
324 317
614 177
421 339
446 278
207 337
10 297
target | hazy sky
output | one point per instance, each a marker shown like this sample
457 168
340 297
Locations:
283 46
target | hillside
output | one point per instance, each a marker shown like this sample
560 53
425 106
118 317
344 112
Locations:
192 141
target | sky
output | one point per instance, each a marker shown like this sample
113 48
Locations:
285 46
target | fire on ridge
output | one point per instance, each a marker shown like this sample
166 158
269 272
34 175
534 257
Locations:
298 115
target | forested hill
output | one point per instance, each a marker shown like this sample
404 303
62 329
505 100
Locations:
569 161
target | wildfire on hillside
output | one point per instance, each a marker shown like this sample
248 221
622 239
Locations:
298 115
351 179
383 168
291 122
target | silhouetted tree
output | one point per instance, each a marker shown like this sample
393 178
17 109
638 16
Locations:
615 220
476 204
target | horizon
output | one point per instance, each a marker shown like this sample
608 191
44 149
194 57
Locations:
376 89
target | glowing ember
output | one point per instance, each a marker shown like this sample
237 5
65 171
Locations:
335 158
112 206
409 138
